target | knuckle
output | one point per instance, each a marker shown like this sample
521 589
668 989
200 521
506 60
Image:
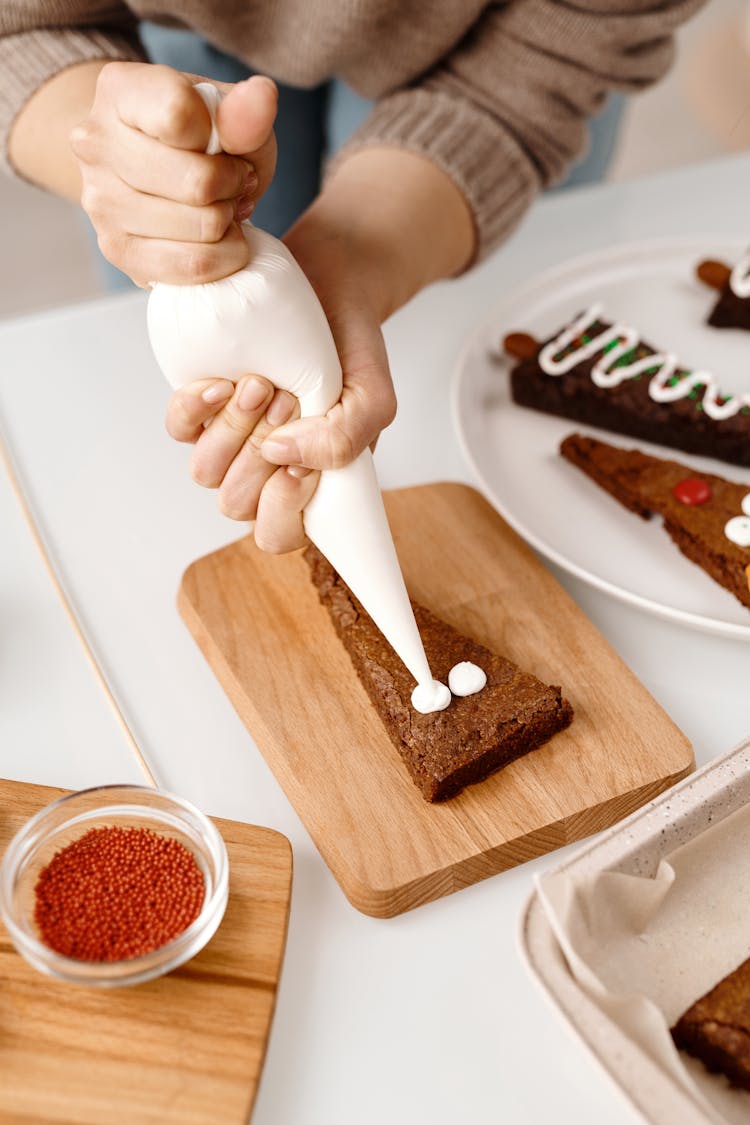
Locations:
92 200
111 246
341 448
202 182
202 262
83 139
176 111
109 76
214 221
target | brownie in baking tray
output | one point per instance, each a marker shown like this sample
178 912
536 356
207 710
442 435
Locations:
476 734
716 1028
628 407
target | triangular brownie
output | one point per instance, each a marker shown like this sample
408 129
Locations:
707 516
477 734
602 374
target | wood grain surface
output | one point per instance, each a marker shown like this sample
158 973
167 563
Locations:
258 620
187 1048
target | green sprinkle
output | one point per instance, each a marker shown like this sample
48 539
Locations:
693 394
611 344
699 406
673 380
745 410
586 339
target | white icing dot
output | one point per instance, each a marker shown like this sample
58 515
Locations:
745 505
466 678
738 530
429 697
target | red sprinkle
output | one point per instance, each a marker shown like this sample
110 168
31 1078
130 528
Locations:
692 490
117 893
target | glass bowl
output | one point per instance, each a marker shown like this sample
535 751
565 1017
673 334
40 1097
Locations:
125 806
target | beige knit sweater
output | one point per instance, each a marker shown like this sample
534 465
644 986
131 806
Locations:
497 94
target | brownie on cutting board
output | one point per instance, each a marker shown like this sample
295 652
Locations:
476 734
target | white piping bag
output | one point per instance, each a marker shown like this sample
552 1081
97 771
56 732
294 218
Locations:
266 319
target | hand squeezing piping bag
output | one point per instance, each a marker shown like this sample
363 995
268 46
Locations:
266 319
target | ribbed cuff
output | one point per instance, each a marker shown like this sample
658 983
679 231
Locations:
489 167
29 60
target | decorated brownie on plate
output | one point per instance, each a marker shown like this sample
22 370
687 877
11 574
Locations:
602 373
732 308
707 517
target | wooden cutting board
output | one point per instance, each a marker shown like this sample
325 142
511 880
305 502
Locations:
258 620
187 1048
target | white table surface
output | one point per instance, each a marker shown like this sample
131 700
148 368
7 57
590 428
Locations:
429 1017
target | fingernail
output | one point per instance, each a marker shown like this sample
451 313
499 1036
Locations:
280 451
280 409
253 394
298 471
218 392
251 182
245 211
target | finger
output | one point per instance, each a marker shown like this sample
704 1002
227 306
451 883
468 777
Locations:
240 489
151 167
112 202
246 115
278 526
331 442
157 101
367 405
192 406
219 445
176 263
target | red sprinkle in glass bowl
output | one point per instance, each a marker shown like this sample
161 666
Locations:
123 806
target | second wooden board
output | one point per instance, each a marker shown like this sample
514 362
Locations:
259 623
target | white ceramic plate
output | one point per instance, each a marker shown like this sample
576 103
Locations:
514 450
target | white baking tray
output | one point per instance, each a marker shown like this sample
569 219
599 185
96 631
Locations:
636 846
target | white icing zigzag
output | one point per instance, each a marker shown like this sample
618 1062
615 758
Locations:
739 280
605 373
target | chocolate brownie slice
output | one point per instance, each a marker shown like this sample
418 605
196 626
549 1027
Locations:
628 407
477 734
716 1028
697 508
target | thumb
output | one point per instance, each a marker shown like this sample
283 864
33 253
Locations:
246 115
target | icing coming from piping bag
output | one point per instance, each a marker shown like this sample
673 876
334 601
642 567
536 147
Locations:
430 697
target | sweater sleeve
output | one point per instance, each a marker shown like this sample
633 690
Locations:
505 113
40 38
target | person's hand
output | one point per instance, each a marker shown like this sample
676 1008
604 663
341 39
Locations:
163 210
366 248
227 425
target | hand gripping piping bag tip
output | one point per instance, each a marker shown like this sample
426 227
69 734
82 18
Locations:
266 319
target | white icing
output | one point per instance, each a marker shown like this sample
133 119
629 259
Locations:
466 678
739 279
738 530
605 373
429 697
266 318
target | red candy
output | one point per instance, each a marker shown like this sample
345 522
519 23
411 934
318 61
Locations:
692 490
